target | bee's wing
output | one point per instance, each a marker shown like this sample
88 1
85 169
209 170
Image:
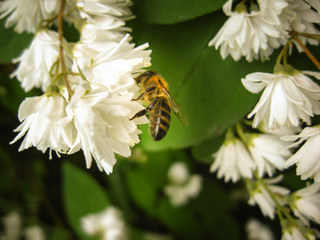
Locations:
177 109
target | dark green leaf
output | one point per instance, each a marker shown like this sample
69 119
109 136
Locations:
203 152
141 190
146 180
11 93
173 11
82 196
12 43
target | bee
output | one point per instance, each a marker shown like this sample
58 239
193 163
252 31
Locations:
155 93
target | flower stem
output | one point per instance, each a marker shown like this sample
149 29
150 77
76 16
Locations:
283 55
306 50
309 35
61 58
281 210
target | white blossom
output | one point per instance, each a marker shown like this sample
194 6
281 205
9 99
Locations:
297 231
269 153
12 226
293 233
306 203
26 15
250 33
104 8
37 61
34 233
258 231
260 196
182 187
232 161
286 98
107 225
112 67
178 173
41 119
307 158
300 17
101 119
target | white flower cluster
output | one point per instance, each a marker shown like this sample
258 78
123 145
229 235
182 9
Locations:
239 157
13 229
304 204
257 230
182 186
255 29
290 98
88 85
105 225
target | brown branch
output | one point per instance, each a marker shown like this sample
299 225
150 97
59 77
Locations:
306 50
61 58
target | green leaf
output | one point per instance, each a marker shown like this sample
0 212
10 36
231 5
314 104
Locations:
207 87
82 195
146 180
11 93
203 152
12 43
173 11
196 219
141 190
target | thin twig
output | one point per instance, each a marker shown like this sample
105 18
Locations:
61 58
306 50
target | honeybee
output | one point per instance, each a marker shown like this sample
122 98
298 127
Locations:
155 93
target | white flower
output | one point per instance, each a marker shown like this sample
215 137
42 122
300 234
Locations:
250 33
117 8
112 67
97 38
300 17
269 153
293 233
182 186
179 195
34 233
232 161
315 4
26 15
307 158
306 203
37 61
12 226
42 123
105 15
108 225
101 119
286 98
178 173
297 231
260 195
258 231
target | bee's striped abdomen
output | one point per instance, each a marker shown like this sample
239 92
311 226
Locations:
160 119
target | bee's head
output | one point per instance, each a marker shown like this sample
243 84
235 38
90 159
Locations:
144 76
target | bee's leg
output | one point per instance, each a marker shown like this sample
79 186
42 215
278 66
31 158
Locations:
148 90
146 110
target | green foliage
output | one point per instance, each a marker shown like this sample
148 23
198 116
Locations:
173 11
146 182
11 43
82 195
